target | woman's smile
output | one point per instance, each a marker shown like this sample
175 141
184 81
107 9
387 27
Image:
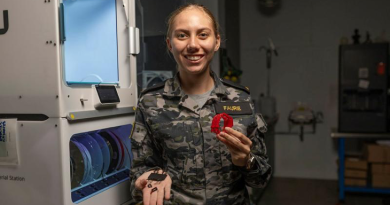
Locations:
194 58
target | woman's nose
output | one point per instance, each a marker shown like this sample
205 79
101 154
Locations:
193 44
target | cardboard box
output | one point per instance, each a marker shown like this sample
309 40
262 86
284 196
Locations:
377 168
387 154
375 153
386 169
380 181
352 173
356 163
355 182
380 169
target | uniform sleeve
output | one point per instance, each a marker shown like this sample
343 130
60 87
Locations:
146 155
261 171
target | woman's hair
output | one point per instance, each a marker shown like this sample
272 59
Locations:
173 15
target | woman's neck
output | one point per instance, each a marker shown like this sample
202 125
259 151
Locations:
196 84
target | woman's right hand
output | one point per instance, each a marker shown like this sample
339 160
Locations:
155 197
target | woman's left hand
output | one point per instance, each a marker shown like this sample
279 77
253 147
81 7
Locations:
238 144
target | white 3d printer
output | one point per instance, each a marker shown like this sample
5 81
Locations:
68 93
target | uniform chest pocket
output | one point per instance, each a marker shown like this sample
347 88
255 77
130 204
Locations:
246 124
174 138
177 140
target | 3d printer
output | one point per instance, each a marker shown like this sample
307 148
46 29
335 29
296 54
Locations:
68 95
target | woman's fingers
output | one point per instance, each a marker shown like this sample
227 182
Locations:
153 197
229 144
146 195
160 197
167 190
244 139
233 142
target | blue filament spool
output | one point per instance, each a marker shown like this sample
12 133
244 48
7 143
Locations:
94 155
105 152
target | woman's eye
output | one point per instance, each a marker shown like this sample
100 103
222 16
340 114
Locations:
181 35
204 35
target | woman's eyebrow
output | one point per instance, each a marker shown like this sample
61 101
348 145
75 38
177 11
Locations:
187 31
181 30
204 29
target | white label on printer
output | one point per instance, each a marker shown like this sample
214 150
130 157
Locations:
8 142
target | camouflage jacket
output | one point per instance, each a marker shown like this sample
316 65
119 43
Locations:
172 132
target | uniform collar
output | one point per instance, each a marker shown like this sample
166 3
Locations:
172 88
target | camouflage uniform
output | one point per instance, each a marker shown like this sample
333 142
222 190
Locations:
171 131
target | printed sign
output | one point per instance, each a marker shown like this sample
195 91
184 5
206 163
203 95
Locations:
8 142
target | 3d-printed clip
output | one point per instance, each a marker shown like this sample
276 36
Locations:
227 122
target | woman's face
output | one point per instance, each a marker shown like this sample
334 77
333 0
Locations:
192 41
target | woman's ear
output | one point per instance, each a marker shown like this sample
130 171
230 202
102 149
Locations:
218 43
169 44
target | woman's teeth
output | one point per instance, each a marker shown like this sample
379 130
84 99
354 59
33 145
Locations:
193 58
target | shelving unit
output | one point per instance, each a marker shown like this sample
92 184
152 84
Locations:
341 137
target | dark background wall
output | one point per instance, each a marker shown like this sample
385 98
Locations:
307 34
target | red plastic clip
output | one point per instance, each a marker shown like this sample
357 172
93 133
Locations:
227 122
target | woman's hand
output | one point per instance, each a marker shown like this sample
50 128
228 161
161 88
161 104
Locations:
154 197
238 144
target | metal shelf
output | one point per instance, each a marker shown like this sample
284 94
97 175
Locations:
341 152
367 190
336 134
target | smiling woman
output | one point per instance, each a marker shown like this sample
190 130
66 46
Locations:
173 136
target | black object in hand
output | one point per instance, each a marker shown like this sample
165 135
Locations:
157 177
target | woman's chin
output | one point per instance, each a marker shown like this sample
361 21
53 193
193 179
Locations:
194 71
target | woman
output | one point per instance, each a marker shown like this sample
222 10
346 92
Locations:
172 131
